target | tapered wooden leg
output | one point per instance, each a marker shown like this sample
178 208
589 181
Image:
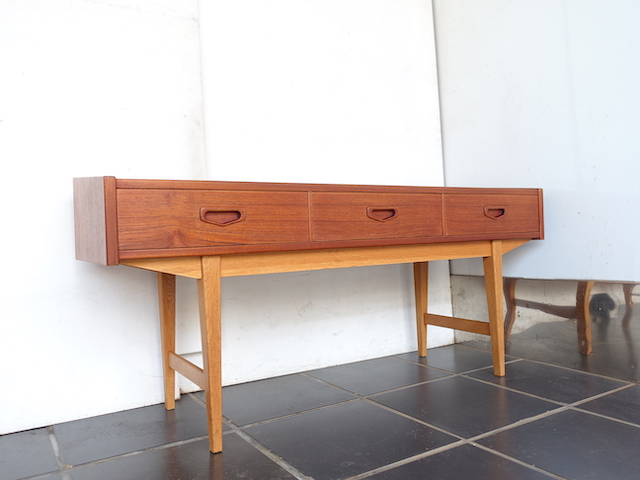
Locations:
209 301
583 295
421 283
493 284
167 305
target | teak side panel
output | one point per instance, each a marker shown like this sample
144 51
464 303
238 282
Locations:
95 223
490 214
167 219
357 216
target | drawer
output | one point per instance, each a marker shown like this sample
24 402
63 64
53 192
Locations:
165 219
490 214
356 216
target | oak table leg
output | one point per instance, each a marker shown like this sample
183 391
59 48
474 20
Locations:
421 282
493 283
210 313
167 305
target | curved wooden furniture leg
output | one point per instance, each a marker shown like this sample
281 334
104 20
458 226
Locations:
627 289
583 294
209 302
510 298
421 282
493 283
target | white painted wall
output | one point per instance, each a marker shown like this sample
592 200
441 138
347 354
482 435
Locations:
91 87
86 88
544 93
337 91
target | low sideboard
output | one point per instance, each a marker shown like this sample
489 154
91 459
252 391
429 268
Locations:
210 230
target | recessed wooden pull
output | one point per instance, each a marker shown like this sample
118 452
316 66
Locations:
221 217
495 212
382 214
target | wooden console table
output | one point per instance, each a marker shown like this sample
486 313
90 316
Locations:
210 230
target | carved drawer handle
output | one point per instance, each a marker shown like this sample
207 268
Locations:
495 213
221 217
382 214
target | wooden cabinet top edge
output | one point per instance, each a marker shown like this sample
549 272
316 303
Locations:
314 187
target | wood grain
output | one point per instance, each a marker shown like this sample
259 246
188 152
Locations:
168 219
278 262
189 267
346 216
493 283
473 326
188 369
167 307
469 214
210 328
120 220
421 288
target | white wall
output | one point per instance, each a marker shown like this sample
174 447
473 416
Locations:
86 88
90 87
338 91
544 93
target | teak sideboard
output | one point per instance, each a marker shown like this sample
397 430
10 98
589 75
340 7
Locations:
210 230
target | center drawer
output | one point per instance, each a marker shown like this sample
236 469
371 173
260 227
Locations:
356 216
165 219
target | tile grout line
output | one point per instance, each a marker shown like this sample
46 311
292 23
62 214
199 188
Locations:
239 430
406 461
578 370
417 420
512 360
513 390
55 446
606 417
291 415
62 466
599 395
573 405
515 460
81 466
402 387
272 456
534 359
519 423
576 406
558 402
233 428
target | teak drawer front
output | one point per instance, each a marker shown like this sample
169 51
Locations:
165 219
487 214
357 216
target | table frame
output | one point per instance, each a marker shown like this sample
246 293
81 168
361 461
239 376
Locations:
209 270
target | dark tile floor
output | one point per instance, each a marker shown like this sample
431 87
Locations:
394 418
